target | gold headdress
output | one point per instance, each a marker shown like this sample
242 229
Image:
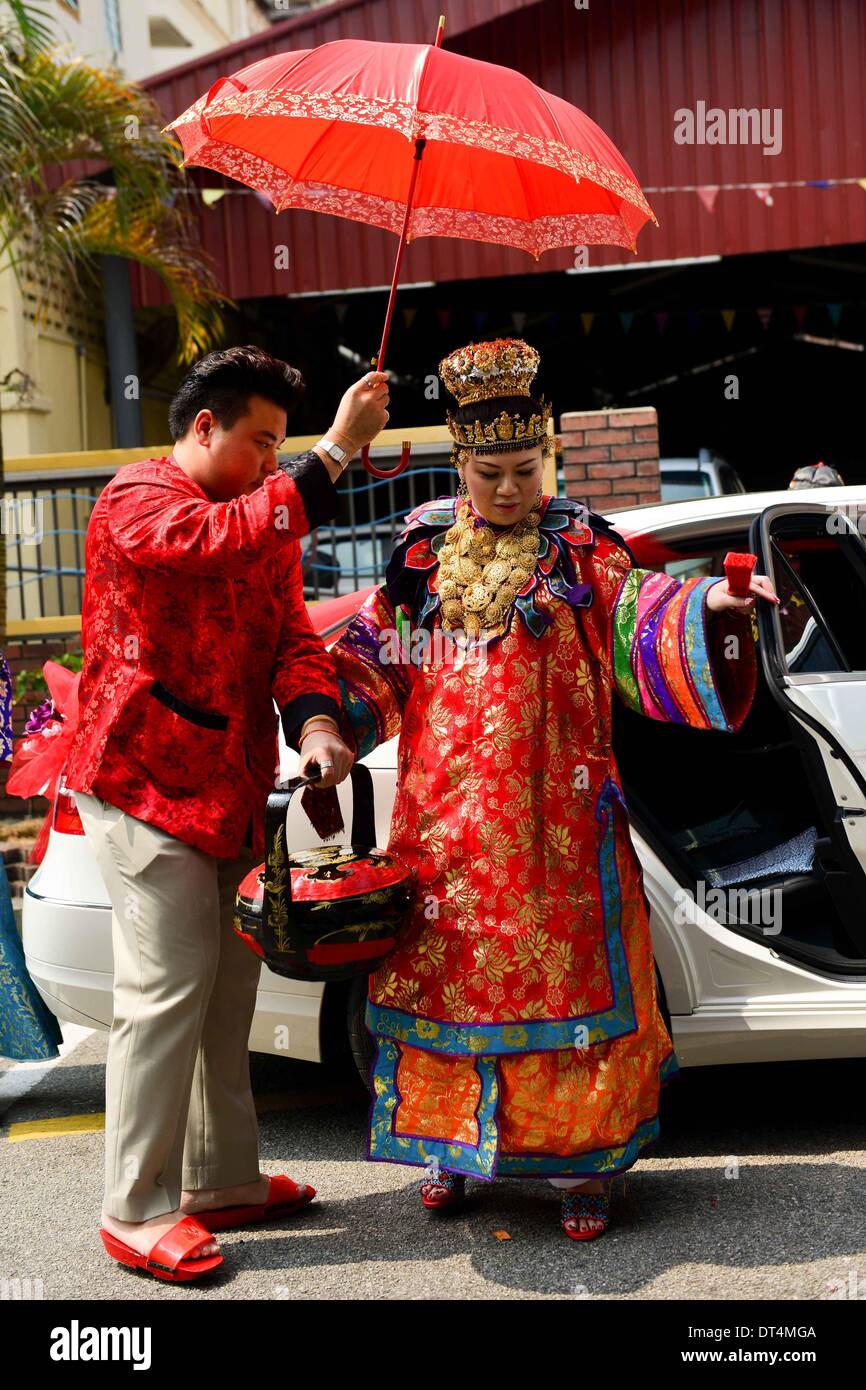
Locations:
481 371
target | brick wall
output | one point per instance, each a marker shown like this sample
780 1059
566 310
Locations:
611 457
29 656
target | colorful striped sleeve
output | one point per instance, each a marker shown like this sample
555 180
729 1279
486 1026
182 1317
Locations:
373 680
673 659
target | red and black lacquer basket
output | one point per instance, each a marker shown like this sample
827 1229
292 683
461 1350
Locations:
327 913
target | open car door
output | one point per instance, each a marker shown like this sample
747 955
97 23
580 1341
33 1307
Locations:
813 650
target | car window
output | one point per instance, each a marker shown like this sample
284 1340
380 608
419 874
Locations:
820 581
677 487
708 560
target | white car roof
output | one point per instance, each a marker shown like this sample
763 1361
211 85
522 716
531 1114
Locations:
730 512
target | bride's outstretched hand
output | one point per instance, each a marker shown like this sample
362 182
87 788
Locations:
720 597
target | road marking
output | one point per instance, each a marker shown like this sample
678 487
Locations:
56 1126
17 1080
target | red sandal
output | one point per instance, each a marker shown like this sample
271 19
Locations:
455 1189
593 1206
168 1258
284 1197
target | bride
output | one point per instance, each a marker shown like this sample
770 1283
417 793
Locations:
516 1025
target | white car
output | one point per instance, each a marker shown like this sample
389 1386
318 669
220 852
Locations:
705 475
753 845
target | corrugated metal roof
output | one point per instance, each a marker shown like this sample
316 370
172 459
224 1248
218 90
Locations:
630 66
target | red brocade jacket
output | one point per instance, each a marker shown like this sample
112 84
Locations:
193 624
529 866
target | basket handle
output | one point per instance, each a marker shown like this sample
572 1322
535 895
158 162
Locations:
363 817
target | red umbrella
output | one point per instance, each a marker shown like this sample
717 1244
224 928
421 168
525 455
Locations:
495 158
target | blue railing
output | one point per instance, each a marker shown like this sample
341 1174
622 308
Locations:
45 575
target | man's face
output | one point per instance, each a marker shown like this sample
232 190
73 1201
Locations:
243 456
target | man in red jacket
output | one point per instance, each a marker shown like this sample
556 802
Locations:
193 624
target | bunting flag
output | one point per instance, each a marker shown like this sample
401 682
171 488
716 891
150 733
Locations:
518 319
661 317
765 196
210 196
764 184
835 312
708 195
626 319
444 318
341 310
586 320
728 316
409 317
800 311
765 315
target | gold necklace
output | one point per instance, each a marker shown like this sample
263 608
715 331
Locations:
481 573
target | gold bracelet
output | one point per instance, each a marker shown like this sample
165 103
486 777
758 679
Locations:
317 729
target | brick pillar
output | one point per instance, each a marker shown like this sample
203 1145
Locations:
611 457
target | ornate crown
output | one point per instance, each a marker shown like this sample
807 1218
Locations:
481 371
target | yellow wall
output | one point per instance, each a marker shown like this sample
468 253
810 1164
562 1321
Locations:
52 419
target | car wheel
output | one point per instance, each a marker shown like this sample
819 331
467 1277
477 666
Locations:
360 1039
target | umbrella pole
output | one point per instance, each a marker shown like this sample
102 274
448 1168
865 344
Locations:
379 360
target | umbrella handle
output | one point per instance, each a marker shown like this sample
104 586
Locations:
212 91
387 472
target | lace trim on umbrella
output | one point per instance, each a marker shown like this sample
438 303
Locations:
433 125
544 234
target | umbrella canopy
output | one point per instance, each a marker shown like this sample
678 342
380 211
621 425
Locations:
331 129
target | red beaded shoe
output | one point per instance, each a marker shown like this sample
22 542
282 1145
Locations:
592 1206
446 1189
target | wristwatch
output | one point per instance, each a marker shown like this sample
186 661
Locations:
339 455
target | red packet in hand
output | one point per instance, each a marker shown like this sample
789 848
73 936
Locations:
738 572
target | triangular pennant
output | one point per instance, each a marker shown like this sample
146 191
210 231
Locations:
835 312
861 183
444 318
408 317
210 196
586 320
661 317
728 316
708 195
518 319
800 312
765 315
626 318
765 196
341 310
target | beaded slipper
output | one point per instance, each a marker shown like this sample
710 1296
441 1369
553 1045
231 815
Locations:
593 1206
454 1183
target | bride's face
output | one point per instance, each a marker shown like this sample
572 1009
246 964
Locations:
503 486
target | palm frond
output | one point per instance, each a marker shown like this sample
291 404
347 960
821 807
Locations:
55 110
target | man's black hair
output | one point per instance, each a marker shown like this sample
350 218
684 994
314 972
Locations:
223 383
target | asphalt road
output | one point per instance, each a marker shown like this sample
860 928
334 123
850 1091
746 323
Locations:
756 1190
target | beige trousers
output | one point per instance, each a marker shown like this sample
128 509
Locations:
179 1110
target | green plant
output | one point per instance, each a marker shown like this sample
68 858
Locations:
34 683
